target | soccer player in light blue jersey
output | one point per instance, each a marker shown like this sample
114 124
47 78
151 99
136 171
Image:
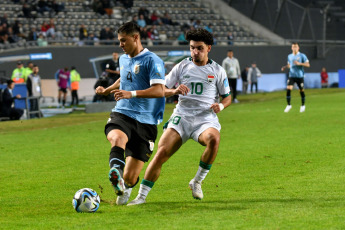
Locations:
132 126
201 84
296 63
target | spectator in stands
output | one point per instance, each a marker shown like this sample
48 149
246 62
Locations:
3 32
141 21
92 40
10 37
7 109
244 76
113 68
41 41
135 19
153 34
62 77
209 28
143 33
324 78
197 24
18 29
33 35
253 74
44 28
230 38
42 7
33 84
4 20
106 35
18 74
215 38
182 38
146 13
166 19
233 71
57 7
51 29
83 35
155 19
75 79
27 11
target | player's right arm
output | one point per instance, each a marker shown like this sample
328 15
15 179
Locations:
285 66
181 89
102 91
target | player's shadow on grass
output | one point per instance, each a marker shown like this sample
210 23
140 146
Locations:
218 205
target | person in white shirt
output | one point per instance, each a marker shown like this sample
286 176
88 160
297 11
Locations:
253 74
233 70
201 83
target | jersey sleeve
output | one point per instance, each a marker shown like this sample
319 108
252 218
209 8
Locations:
304 58
223 84
156 71
173 77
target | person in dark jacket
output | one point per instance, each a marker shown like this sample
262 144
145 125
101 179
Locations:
7 101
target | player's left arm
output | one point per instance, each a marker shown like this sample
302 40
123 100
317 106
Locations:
155 91
224 91
304 62
217 107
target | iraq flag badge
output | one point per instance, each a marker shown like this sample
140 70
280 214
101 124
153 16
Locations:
210 78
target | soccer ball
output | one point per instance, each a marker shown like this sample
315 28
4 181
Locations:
86 200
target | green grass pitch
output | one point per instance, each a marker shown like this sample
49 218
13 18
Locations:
274 170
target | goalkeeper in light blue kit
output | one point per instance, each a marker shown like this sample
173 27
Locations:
296 63
132 126
201 84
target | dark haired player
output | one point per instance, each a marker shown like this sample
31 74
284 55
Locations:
132 126
296 63
201 82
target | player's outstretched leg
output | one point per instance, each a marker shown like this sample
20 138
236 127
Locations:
117 181
209 138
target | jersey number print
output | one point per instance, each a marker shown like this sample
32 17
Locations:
197 88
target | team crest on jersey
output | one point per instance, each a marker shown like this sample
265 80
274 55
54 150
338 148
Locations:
136 68
210 78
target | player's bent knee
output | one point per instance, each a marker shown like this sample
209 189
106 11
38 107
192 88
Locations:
115 140
161 155
212 139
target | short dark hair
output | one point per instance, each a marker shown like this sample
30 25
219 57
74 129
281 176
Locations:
295 43
129 28
9 82
200 35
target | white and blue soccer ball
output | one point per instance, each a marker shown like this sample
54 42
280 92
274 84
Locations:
86 200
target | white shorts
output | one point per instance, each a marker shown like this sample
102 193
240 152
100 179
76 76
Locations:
193 125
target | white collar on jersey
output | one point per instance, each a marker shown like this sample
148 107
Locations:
141 53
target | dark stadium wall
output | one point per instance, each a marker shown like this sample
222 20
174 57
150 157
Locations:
268 58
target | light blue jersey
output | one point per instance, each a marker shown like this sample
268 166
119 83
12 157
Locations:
139 73
297 71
